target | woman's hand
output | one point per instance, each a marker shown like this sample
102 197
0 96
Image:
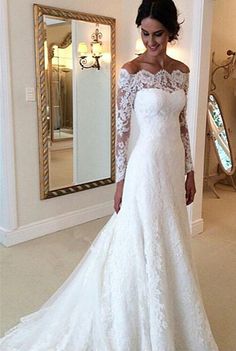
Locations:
190 188
118 195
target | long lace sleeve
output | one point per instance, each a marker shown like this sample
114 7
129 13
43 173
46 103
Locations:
125 97
184 132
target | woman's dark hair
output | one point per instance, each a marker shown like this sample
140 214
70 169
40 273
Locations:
163 11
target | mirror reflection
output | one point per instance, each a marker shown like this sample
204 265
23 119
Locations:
59 68
219 133
77 59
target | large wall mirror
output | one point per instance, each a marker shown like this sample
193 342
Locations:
75 63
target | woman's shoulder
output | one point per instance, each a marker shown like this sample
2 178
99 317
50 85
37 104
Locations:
178 65
132 67
127 75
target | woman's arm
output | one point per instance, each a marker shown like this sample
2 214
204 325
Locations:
125 96
189 170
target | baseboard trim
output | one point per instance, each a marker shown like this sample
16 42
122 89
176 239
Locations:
197 226
51 225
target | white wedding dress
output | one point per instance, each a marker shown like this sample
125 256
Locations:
136 288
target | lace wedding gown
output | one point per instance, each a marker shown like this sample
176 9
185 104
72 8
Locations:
136 288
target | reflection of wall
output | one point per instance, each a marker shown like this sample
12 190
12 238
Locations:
56 33
61 98
93 110
62 57
223 39
60 76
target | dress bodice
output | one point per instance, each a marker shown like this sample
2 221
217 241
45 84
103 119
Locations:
159 101
157 111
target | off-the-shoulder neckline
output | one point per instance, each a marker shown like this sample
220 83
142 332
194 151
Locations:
155 74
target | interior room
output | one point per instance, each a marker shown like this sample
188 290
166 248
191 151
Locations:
59 71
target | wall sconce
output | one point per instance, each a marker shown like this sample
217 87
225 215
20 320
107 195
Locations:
139 48
96 50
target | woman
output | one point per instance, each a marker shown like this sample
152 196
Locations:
136 290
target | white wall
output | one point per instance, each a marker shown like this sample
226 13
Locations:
223 27
223 39
8 210
40 217
200 62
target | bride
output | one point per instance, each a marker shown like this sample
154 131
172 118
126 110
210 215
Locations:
136 288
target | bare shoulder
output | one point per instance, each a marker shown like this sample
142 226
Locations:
132 66
181 66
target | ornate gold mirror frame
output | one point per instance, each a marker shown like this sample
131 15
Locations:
43 125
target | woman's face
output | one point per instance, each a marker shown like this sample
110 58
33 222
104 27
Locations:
154 36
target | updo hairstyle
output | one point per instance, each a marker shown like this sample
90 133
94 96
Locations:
163 11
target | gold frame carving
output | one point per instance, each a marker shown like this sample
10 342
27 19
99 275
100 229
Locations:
39 12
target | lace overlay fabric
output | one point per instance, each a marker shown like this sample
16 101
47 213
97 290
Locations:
128 86
136 289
